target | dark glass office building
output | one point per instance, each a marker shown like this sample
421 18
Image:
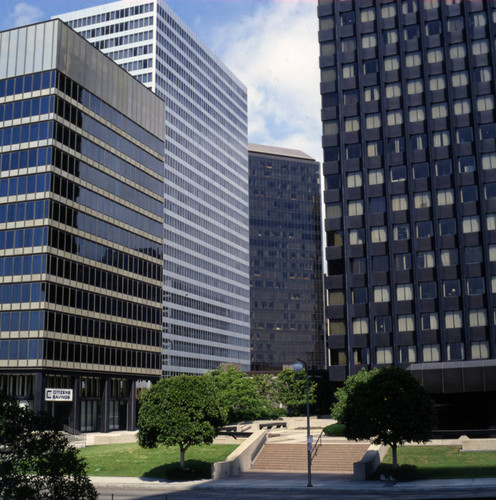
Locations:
81 204
286 286
409 142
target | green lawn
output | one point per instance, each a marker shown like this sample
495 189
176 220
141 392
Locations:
446 462
132 461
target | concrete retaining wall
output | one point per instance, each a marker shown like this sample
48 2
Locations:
241 459
366 467
488 444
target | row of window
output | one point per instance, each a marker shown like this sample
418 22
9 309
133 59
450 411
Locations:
109 29
23 265
48 79
455 351
109 183
406 322
389 10
123 40
414 59
415 114
82 247
424 260
131 52
398 173
111 15
428 321
420 200
103 110
82 170
26 133
101 155
27 108
26 238
54 350
410 32
401 232
15 321
80 119
25 158
22 293
404 291
100 278
92 225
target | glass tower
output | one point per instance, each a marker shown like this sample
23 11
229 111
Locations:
287 316
409 143
81 205
206 236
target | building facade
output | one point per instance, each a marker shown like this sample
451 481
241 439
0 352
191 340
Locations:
206 234
81 203
287 315
409 142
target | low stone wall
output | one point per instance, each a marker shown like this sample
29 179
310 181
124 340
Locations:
241 459
488 444
373 457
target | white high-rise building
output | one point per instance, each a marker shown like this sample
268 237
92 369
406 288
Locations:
206 235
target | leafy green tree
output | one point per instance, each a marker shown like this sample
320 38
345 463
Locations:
180 411
391 408
36 461
244 397
342 393
291 391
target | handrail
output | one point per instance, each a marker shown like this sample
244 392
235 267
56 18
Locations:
317 444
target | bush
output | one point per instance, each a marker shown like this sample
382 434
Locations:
334 430
402 474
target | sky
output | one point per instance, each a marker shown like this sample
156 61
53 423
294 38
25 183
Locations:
270 45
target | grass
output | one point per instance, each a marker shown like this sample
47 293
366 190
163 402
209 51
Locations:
129 460
334 430
444 462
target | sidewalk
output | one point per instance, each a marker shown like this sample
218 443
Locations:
298 482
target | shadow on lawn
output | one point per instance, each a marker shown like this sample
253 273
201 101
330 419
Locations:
465 472
193 469
407 472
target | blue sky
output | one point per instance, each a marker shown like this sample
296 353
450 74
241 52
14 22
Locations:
271 45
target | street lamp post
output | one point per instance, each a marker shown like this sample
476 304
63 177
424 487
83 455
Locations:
298 367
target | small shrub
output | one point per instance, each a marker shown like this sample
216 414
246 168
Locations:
334 430
402 474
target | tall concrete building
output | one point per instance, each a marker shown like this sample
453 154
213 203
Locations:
287 314
409 139
206 256
81 208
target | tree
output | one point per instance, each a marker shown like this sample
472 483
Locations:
36 461
184 410
391 408
242 395
342 393
291 391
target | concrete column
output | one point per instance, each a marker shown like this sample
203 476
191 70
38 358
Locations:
131 407
39 391
105 406
75 416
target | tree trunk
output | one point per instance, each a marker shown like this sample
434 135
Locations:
182 451
395 456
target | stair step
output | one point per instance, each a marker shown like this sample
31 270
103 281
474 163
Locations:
330 458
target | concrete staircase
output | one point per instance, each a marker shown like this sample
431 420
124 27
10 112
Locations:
330 458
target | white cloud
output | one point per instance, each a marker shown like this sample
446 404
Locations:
23 14
274 52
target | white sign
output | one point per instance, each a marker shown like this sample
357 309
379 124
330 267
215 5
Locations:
309 442
58 394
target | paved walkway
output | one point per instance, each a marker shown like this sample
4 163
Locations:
298 482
